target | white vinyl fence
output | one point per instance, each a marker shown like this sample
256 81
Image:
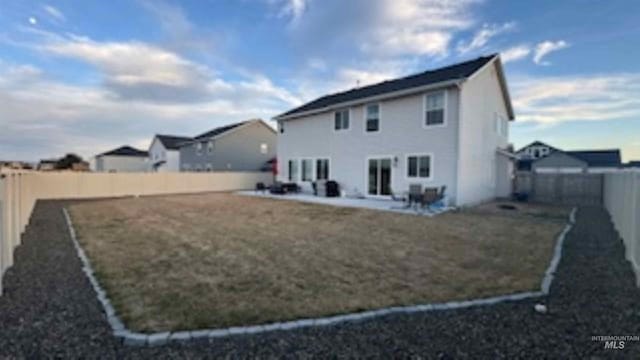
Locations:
19 192
622 200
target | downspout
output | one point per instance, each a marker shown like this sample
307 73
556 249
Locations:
459 144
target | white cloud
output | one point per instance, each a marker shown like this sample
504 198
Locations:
54 12
482 36
515 53
552 100
294 9
33 20
546 47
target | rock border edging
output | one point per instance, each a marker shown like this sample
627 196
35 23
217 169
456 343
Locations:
154 339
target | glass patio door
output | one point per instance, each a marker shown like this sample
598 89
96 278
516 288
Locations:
379 177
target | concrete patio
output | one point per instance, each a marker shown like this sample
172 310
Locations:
363 203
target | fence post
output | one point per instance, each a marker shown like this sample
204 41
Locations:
2 229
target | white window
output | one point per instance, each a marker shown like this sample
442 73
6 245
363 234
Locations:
419 166
434 109
198 148
322 169
341 120
210 147
293 170
264 148
307 170
372 118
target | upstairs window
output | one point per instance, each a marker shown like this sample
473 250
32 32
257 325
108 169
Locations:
210 147
198 148
373 117
264 148
322 169
434 109
419 166
341 120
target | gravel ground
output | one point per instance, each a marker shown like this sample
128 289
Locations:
49 310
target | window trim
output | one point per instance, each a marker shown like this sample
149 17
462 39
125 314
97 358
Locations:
423 118
333 120
313 169
366 177
298 173
419 178
364 116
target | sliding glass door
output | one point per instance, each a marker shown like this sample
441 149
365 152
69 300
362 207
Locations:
379 176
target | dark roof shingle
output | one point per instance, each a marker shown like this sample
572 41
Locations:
452 72
125 151
598 158
219 130
172 142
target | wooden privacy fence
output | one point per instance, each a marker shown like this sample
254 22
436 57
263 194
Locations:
622 200
561 188
19 192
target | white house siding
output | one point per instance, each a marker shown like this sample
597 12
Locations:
478 165
158 153
121 164
401 133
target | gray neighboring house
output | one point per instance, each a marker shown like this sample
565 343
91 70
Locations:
243 146
585 161
123 159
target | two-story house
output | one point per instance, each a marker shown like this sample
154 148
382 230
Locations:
443 127
243 146
164 152
122 159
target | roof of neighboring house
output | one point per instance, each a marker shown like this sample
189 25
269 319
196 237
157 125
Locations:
172 142
537 143
634 163
598 158
125 151
219 130
458 71
48 161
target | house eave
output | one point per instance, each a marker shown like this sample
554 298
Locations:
385 96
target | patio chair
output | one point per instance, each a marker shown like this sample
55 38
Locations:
415 195
432 196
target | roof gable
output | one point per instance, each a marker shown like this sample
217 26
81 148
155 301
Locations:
219 131
537 143
454 72
126 151
172 142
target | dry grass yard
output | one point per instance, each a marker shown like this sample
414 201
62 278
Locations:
218 260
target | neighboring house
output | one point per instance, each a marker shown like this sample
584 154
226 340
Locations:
15 165
123 159
444 127
164 152
592 161
244 146
632 164
47 164
535 150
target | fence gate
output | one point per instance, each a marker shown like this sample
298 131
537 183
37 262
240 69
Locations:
570 189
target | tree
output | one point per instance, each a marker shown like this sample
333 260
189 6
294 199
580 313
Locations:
67 161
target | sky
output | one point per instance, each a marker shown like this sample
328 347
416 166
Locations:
88 76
